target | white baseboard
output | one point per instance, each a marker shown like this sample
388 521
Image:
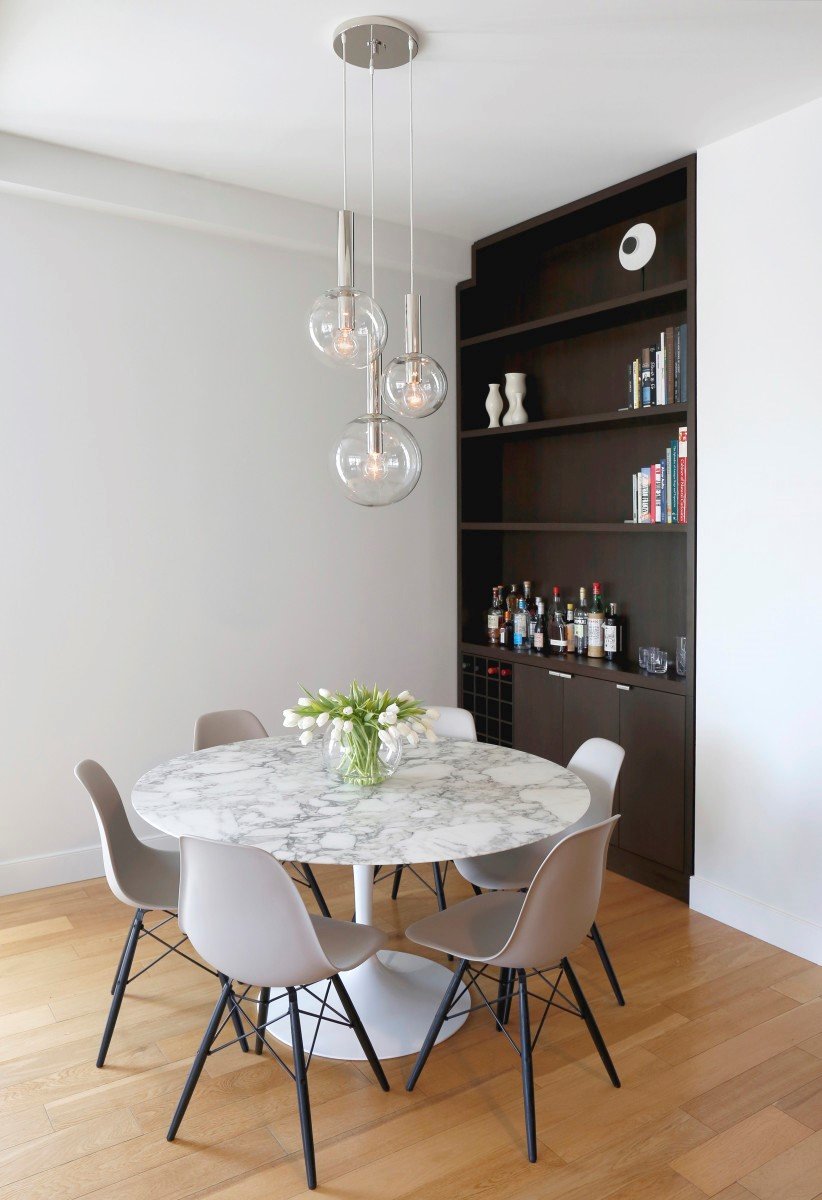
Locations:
781 929
69 866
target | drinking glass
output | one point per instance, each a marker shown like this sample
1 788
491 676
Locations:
657 660
643 657
680 656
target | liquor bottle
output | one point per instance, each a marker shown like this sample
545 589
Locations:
512 600
581 623
557 635
521 626
538 644
530 605
596 620
494 619
569 627
611 639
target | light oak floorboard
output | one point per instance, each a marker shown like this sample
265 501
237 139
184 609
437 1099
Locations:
719 1050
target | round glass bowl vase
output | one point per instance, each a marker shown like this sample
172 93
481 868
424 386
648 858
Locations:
359 756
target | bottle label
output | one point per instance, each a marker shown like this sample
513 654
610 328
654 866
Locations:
594 630
558 643
539 641
610 639
493 620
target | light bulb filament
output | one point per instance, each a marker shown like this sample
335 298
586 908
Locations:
345 343
374 466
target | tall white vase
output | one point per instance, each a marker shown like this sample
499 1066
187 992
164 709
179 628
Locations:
515 393
493 405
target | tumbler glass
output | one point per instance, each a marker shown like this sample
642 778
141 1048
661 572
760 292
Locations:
680 656
657 660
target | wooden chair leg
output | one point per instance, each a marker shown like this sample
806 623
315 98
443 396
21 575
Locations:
236 1019
395 886
360 1031
199 1062
437 1023
262 1018
123 972
301 1079
588 1018
316 891
606 962
527 1068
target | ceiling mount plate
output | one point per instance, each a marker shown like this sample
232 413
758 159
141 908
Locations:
390 42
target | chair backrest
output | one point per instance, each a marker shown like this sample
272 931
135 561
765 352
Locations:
241 912
123 852
562 901
456 723
598 763
223 728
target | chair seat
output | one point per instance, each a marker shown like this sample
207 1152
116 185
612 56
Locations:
476 929
345 943
507 868
153 880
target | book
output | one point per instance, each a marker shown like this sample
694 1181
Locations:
674 481
635 496
645 495
669 365
683 371
648 376
635 377
663 491
656 503
660 376
682 475
668 488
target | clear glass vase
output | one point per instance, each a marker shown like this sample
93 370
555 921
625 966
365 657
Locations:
359 756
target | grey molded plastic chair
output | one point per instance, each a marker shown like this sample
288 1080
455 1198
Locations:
455 723
524 936
597 762
145 879
239 725
240 911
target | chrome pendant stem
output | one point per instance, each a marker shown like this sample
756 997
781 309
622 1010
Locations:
413 340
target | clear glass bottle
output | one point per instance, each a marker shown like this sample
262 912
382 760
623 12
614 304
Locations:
539 639
611 640
494 619
557 634
596 621
521 626
531 607
581 623
569 627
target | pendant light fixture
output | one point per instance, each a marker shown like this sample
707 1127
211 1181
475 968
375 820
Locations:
346 325
376 460
413 385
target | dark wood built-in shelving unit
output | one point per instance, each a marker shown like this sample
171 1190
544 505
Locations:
543 501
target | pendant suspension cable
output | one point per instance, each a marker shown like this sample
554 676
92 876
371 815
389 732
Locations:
345 124
371 83
411 151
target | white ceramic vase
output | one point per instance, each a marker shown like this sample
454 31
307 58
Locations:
515 394
493 405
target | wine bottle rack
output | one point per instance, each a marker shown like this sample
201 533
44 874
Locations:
488 694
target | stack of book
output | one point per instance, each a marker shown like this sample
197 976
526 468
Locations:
659 375
660 492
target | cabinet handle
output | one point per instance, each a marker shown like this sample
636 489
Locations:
623 687
560 675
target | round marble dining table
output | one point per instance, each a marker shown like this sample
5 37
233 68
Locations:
449 799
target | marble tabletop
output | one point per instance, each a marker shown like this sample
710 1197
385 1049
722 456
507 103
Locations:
449 799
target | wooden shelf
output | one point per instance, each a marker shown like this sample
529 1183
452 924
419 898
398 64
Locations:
581 316
621 418
628 673
568 527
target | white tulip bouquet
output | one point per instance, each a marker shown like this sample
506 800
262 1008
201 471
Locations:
362 731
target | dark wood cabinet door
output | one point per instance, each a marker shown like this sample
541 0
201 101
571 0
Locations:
590 709
652 780
538 713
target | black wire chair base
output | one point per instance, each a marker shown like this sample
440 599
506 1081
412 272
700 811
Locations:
576 1004
258 1028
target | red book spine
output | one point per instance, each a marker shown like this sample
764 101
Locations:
682 482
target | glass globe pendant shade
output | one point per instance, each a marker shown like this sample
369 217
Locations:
376 461
348 327
414 385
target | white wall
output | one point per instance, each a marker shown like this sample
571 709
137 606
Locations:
171 538
758 774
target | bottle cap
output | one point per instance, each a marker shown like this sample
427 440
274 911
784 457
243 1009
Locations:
596 587
556 591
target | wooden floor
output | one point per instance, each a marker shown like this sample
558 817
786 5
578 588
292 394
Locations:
719 1049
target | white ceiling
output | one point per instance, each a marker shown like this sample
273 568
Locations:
519 106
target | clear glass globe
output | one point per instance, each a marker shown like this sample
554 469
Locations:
348 327
414 385
376 461
360 758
